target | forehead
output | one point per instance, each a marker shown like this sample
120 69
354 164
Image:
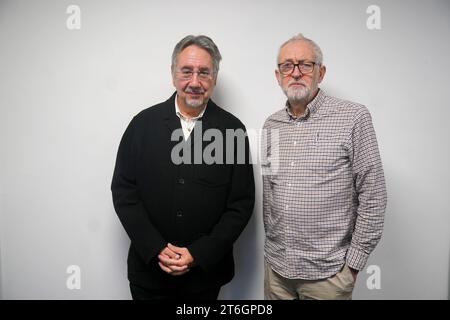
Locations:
296 51
193 56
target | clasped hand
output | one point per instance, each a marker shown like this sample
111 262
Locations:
175 260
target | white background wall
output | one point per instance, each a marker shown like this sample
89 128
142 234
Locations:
66 97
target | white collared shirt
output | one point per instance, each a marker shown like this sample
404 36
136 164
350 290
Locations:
187 124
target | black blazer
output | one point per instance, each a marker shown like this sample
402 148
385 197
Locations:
203 207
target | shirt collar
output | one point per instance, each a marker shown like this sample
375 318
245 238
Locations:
311 108
181 116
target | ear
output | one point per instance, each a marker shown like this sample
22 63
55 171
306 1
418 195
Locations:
173 76
278 76
322 72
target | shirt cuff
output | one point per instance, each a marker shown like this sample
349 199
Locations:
356 259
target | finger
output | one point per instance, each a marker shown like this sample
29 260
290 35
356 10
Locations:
170 253
173 269
177 268
175 248
174 265
183 261
164 268
171 262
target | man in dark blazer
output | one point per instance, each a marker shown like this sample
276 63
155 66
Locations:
183 185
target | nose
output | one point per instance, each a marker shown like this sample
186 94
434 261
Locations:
296 73
194 80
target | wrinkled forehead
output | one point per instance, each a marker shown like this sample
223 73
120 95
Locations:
193 56
297 50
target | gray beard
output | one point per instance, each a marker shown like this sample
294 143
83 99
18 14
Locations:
194 103
296 95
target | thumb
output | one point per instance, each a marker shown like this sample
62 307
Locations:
172 247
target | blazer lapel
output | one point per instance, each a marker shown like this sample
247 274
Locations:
208 121
170 118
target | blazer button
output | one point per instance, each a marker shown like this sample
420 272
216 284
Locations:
179 214
181 181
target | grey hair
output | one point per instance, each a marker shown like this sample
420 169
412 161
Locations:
300 37
200 41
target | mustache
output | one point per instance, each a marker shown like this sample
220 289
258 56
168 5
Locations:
297 82
194 90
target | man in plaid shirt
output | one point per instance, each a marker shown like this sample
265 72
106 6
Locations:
323 183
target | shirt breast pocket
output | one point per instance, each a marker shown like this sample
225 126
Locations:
323 152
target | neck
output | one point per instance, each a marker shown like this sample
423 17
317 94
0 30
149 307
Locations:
297 108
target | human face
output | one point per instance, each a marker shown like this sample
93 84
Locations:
194 92
298 87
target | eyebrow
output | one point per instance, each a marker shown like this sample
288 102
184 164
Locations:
191 67
299 61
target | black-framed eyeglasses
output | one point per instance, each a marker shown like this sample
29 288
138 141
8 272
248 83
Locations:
287 68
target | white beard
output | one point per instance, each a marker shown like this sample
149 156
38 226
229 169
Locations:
297 94
194 103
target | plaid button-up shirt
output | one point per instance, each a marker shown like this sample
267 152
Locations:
324 190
